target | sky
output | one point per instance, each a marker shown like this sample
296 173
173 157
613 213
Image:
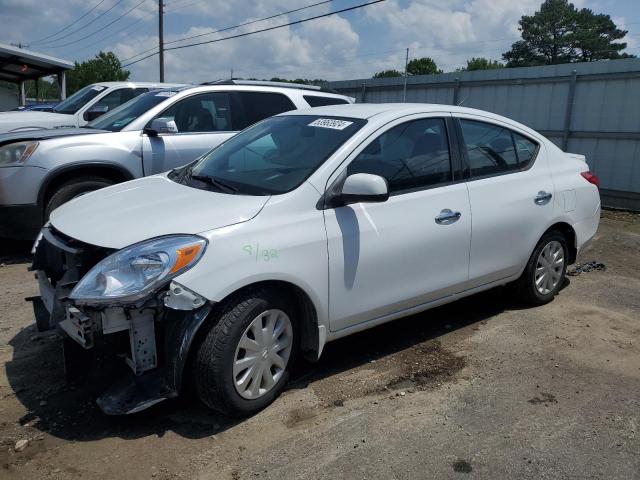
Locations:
344 46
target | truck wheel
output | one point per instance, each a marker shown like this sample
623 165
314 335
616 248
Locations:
545 272
72 189
244 360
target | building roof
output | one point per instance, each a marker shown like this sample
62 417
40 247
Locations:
17 64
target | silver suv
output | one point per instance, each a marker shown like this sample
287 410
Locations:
155 132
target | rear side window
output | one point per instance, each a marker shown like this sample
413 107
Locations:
257 106
410 156
492 149
315 101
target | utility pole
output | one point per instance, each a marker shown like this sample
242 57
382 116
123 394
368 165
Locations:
404 89
161 38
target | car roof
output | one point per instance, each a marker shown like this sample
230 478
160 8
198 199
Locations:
390 111
262 88
138 84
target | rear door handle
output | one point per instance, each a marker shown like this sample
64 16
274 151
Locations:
447 217
542 198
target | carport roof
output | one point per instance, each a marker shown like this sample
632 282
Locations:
17 64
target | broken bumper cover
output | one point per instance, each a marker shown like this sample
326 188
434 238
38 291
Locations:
153 338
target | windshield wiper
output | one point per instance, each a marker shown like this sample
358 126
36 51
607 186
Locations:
219 184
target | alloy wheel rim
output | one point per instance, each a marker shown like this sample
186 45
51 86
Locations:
262 354
549 267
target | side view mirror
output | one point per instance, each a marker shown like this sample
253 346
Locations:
357 188
161 125
95 112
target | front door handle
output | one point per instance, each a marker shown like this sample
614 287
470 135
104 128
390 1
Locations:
542 198
447 217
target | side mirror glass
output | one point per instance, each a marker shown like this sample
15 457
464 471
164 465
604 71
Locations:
364 187
161 126
95 112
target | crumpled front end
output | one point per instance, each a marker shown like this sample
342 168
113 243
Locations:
153 335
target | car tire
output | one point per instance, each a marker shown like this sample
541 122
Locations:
72 189
218 376
544 274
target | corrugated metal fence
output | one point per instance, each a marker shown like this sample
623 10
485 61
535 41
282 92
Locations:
588 108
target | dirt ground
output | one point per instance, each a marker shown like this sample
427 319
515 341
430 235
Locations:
476 389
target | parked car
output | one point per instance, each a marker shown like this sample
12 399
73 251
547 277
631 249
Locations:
35 107
85 105
157 131
304 228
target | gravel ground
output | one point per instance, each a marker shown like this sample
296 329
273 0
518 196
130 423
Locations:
476 389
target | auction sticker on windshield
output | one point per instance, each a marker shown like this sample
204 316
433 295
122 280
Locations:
330 123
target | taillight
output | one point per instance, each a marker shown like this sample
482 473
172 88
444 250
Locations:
591 178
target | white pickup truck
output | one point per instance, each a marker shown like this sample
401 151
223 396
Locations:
85 105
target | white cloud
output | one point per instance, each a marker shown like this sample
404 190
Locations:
451 32
309 50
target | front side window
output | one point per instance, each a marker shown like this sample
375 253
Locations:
120 117
79 99
116 98
207 112
492 149
410 155
271 157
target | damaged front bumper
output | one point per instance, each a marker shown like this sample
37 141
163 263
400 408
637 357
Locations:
153 336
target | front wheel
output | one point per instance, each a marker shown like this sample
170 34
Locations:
545 272
73 189
244 360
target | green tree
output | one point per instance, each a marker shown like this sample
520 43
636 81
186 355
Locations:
422 66
387 74
105 67
595 37
560 33
481 63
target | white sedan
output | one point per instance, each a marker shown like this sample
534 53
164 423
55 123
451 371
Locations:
304 228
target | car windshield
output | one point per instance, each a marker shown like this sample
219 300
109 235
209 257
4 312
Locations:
78 100
126 113
272 157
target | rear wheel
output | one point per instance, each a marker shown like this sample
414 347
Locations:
545 271
243 362
72 189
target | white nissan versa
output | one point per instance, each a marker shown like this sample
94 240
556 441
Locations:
306 227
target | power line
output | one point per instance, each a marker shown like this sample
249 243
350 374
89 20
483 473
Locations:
101 28
231 28
113 34
87 24
275 27
71 24
252 22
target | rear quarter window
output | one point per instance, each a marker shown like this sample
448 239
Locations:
318 101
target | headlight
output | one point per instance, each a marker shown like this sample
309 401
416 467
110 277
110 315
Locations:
134 272
16 153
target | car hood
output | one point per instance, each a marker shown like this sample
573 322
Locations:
10 121
44 134
131 212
